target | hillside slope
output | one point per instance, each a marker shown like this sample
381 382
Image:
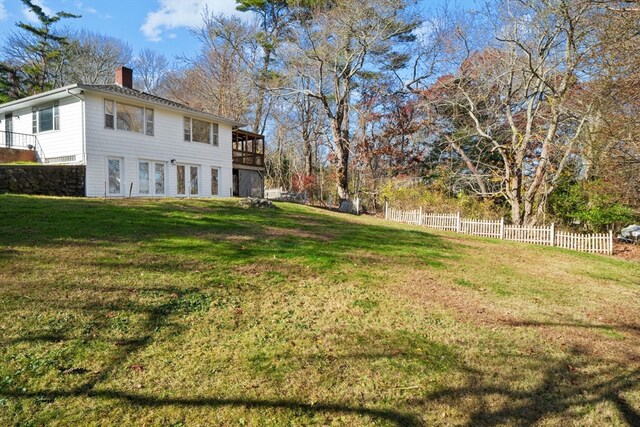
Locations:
199 312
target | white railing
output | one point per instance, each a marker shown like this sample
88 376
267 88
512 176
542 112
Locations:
601 243
22 141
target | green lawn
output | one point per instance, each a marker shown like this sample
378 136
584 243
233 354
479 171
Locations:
198 312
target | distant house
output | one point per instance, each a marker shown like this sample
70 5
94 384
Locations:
133 143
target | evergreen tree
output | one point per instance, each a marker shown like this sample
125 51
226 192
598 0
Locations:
33 57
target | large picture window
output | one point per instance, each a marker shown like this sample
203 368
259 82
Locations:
200 131
128 117
46 117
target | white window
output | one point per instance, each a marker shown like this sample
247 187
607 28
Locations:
109 112
151 177
159 177
200 131
215 185
143 177
45 117
114 176
187 177
214 134
128 117
148 116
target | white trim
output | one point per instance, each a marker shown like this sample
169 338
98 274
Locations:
187 180
151 179
108 193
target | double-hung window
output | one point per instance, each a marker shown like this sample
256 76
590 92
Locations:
45 117
200 131
128 117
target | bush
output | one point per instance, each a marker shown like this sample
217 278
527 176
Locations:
590 205
413 193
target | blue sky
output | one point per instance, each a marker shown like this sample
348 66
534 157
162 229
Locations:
158 24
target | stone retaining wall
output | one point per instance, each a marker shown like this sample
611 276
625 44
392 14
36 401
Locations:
46 180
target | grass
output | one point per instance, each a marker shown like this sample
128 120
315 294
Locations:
199 312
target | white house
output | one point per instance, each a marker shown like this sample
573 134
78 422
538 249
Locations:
135 144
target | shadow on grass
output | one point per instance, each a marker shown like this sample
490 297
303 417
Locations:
397 417
159 322
174 231
564 389
631 328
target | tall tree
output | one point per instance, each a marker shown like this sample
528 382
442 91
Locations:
218 78
333 43
519 95
273 20
91 58
151 68
36 53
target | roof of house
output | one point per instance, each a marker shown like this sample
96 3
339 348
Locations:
121 91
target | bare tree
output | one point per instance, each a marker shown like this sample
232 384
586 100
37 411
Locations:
518 95
91 58
151 68
332 44
218 79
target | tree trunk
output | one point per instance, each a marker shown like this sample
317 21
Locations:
470 165
261 91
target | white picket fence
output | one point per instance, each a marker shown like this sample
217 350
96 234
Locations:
543 235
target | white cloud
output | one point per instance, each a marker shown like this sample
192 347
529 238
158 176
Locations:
80 5
32 16
181 13
3 11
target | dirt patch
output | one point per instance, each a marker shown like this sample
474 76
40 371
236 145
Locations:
467 305
285 232
627 251
612 335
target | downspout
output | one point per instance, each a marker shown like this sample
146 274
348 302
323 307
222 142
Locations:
84 138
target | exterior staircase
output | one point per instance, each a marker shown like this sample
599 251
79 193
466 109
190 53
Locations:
20 147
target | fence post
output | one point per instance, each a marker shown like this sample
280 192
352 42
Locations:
458 223
553 234
502 228
420 217
611 242
386 209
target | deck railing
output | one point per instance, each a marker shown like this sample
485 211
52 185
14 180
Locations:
248 158
22 141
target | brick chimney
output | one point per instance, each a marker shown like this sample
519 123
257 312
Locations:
124 77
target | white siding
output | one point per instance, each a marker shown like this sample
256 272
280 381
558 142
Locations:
56 143
166 144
